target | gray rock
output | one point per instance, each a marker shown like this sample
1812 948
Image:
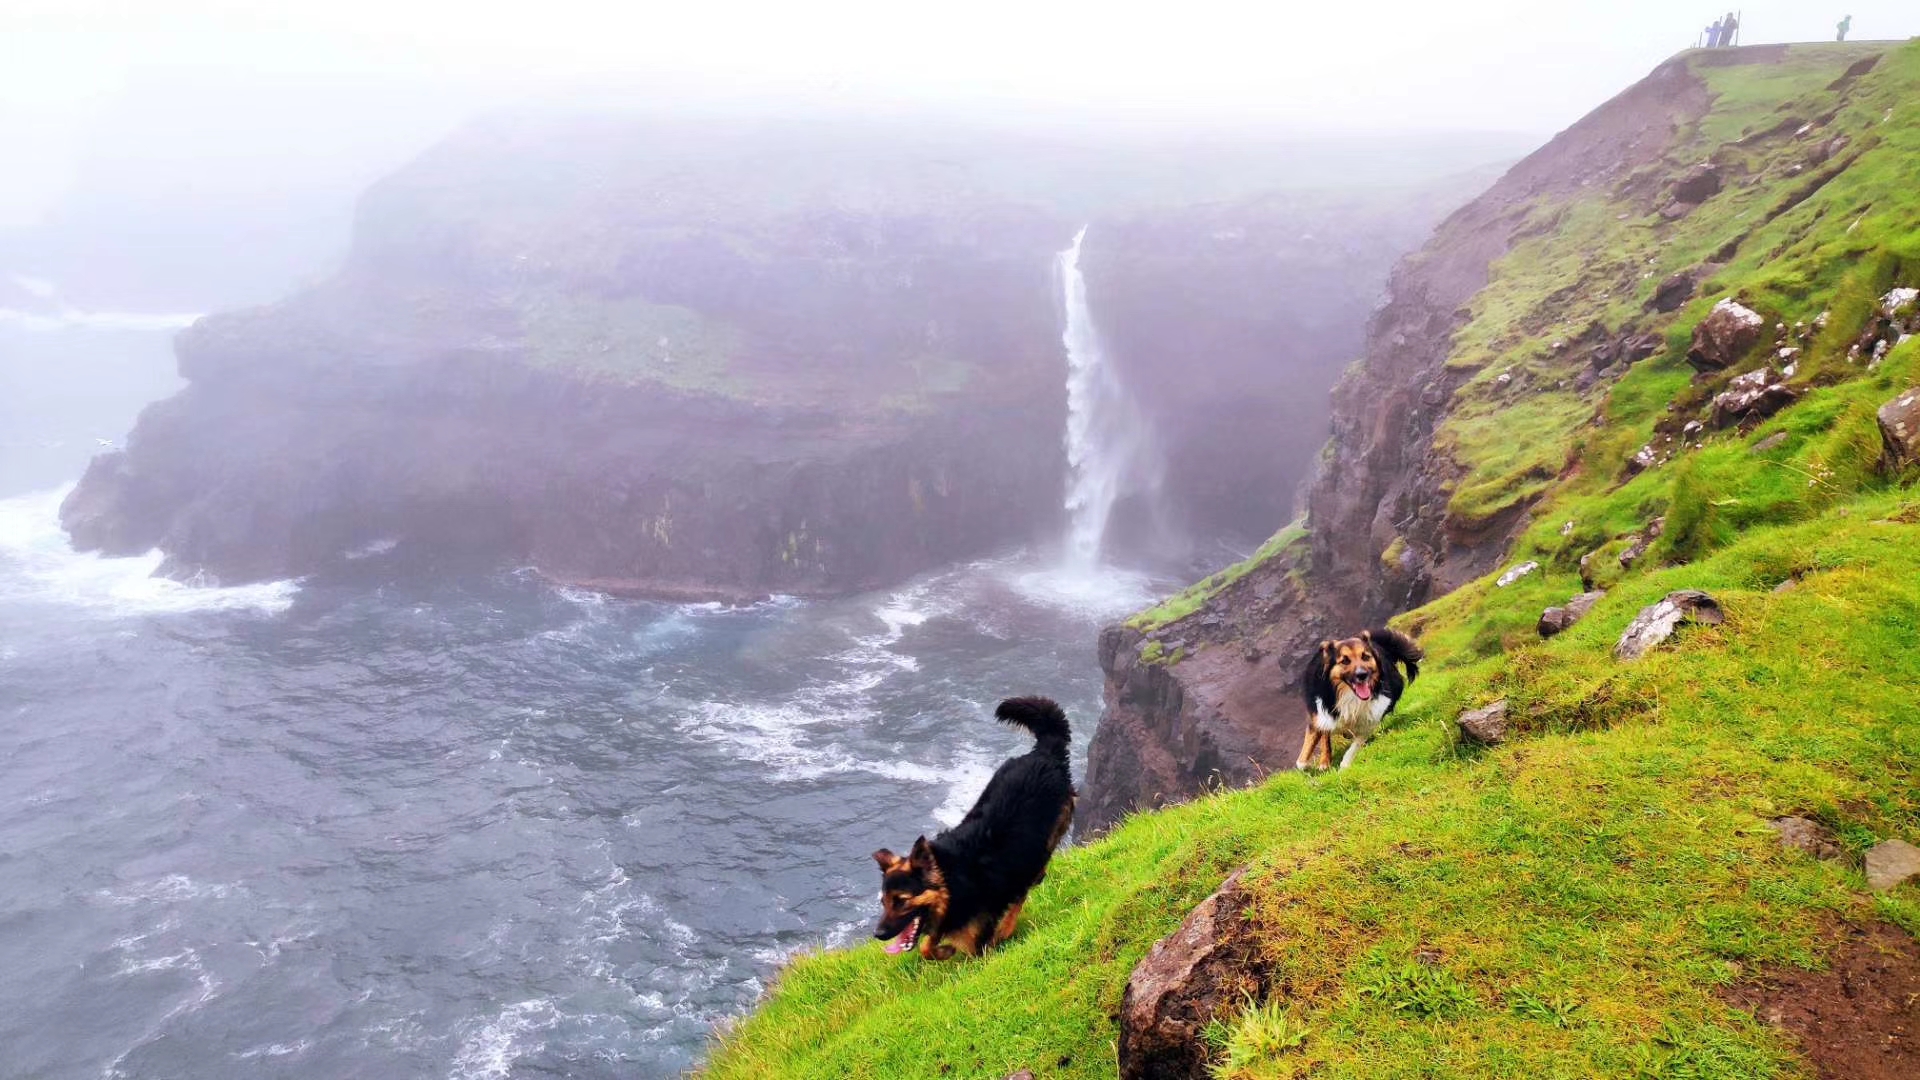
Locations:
1211 961
1487 725
1755 394
1900 428
1657 622
1891 862
1555 619
1726 335
1643 459
1516 573
1899 302
1636 547
1769 442
1807 835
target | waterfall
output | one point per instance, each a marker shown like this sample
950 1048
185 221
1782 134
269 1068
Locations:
1098 431
1106 457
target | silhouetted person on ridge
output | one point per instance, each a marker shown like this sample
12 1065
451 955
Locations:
1730 30
1844 25
1713 35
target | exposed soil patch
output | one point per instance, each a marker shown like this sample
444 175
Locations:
1859 1019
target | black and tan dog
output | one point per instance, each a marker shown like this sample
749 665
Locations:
963 889
1350 686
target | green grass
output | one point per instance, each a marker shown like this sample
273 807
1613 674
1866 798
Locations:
1573 903
1584 268
1567 905
1289 543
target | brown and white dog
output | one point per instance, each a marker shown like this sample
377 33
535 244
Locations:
1350 686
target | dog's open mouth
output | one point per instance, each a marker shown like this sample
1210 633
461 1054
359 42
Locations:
1362 689
907 938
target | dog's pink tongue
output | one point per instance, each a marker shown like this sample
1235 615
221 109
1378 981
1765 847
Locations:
1363 691
905 941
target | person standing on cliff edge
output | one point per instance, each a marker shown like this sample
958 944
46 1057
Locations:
1729 30
1713 35
1843 26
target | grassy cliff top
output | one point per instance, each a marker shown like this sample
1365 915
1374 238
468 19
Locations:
1579 901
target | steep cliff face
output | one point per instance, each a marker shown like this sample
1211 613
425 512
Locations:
652 357
1431 468
722 357
1228 324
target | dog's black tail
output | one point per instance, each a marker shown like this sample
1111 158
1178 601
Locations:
1395 647
1043 717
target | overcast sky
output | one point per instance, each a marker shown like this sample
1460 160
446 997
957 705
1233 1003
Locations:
1495 65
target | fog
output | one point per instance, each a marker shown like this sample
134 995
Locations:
310 100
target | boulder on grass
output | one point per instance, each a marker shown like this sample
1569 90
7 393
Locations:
1486 726
1754 395
1807 835
1727 334
1209 963
1657 622
1891 862
1555 619
1674 292
1900 429
1701 183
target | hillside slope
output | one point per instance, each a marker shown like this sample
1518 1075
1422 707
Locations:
1523 351
1602 894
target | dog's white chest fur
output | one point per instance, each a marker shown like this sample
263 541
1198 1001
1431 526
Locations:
1351 716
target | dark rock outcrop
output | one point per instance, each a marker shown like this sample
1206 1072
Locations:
1209 963
1725 336
1701 183
1673 292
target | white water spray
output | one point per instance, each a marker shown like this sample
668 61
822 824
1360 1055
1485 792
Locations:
1098 440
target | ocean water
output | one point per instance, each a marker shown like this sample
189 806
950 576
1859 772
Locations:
388 825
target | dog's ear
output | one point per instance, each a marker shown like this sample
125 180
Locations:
922 852
885 858
1315 676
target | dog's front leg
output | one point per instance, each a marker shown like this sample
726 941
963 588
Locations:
1353 748
1307 745
1326 750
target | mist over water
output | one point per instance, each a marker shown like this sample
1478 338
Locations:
388 824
